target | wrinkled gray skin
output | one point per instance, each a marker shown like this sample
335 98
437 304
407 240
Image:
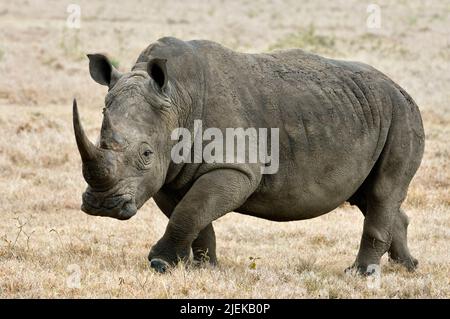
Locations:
347 133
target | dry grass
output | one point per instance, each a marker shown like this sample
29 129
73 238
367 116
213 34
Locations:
43 233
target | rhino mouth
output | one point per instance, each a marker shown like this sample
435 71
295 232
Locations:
118 206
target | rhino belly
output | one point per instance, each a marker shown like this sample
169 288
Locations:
317 172
298 201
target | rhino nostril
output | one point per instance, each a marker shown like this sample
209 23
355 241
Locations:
128 210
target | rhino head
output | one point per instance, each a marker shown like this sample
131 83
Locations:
129 163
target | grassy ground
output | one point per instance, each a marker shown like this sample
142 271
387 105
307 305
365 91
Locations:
49 248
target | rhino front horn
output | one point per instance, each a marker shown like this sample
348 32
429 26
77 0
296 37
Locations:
88 151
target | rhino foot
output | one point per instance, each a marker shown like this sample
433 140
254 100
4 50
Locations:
159 265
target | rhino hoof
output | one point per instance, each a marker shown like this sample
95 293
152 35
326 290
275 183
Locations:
159 265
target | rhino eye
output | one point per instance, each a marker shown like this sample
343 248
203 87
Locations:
147 153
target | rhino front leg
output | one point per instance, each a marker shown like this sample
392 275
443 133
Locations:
204 246
213 195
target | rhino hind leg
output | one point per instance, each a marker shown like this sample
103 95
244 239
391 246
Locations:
385 230
399 251
376 238
383 192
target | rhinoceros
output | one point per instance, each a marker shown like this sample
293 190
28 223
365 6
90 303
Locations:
346 133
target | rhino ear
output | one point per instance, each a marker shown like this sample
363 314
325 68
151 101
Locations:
102 71
157 70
